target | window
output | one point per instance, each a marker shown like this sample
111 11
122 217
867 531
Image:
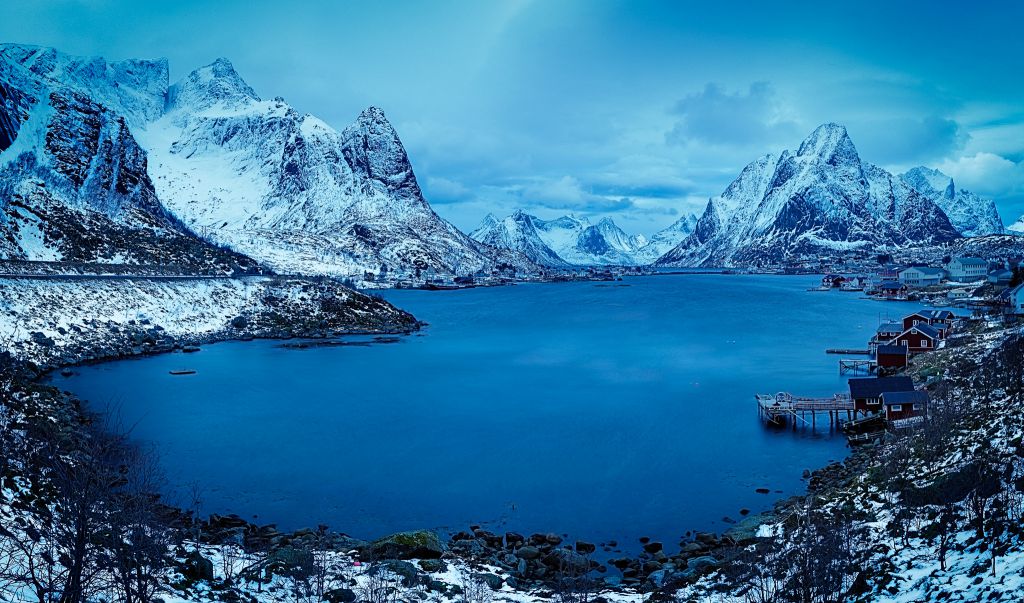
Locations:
896 407
924 343
917 407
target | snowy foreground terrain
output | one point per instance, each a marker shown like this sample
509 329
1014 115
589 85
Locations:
74 319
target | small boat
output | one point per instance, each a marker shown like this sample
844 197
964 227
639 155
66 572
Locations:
190 348
183 372
66 372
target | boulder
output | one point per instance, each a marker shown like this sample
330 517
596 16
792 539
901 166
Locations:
432 565
528 552
513 539
421 544
653 547
566 561
198 567
697 563
406 571
585 548
491 580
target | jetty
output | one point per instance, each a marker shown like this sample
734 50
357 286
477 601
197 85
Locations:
778 408
856 366
848 351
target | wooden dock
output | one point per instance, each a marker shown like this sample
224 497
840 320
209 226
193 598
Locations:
848 351
783 406
850 365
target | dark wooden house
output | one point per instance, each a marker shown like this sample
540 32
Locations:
919 338
904 409
866 393
889 356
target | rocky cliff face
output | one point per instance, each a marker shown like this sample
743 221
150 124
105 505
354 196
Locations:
822 199
74 183
207 158
293 192
969 213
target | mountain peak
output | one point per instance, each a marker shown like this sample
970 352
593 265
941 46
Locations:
828 142
372 147
211 84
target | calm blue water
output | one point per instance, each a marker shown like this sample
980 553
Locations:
603 411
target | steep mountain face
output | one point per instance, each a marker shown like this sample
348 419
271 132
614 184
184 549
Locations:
664 240
969 213
207 157
517 233
291 191
822 199
74 184
562 242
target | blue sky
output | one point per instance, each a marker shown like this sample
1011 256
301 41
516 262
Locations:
636 110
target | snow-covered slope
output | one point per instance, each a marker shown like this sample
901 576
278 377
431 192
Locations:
517 233
1017 227
73 179
208 155
969 213
664 240
562 242
820 199
290 190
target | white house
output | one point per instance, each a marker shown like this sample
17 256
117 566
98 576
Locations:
967 270
1017 299
921 276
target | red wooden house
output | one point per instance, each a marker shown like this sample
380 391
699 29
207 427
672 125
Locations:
919 338
890 356
905 409
866 393
940 320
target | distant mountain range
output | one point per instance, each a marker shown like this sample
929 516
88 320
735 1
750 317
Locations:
823 199
96 156
573 241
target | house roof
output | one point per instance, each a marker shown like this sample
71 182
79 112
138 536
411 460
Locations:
970 261
890 327
900 350
926 270
928 330
873 387
911 397
891 285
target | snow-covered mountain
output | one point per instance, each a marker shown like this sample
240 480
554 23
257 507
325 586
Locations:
74 184
969 213
821 199
664 240
562 242
208 155
1017 227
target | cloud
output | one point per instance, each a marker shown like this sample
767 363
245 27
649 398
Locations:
986 173
908 140
442 191
716 117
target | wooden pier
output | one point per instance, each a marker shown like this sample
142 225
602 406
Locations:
780 407
849 365
848 351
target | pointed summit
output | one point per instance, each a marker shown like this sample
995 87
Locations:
215 83
829 143
371 147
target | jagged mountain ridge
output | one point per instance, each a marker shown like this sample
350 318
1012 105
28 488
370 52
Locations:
574 241
969 213
291 191
207 155
74 184
820 199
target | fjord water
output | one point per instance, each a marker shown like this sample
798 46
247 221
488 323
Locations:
602 410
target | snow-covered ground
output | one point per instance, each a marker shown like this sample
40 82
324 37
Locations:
74 319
